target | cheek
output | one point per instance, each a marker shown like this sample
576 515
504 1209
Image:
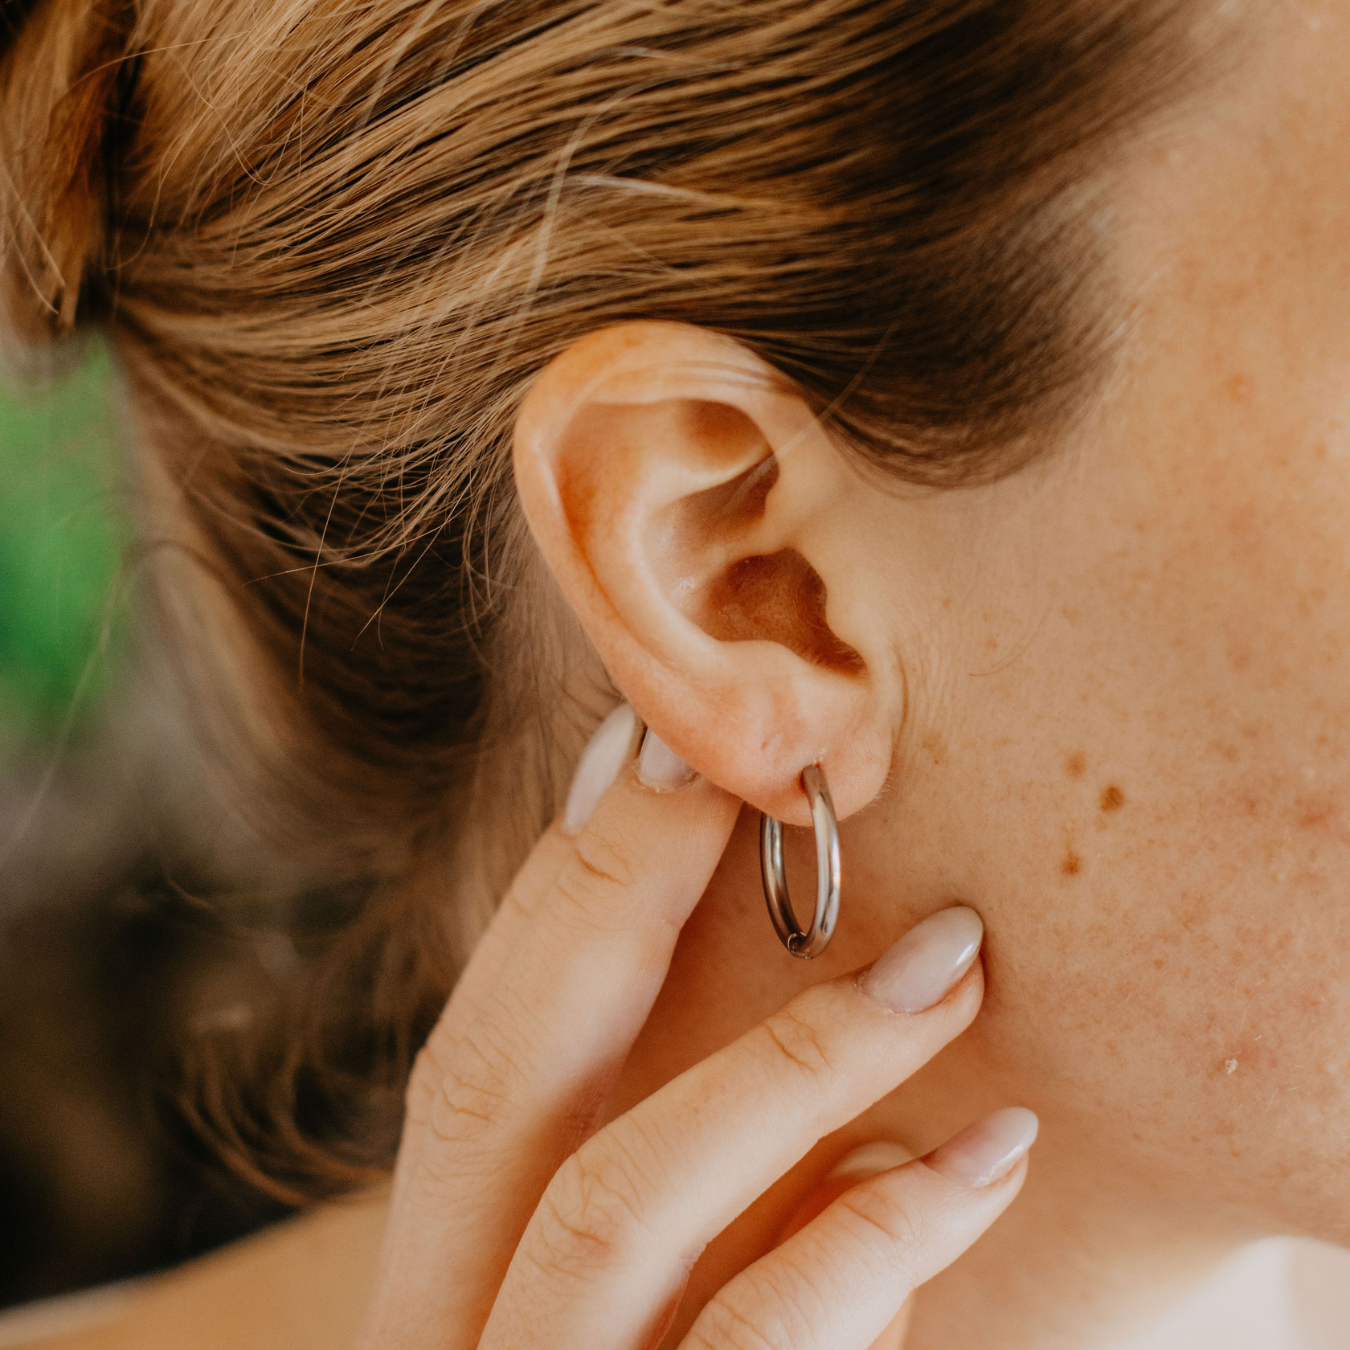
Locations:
1156 806
1191 1021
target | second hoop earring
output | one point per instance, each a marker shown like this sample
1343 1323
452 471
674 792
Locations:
812 941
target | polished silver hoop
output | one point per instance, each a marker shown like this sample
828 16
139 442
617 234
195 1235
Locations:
814 940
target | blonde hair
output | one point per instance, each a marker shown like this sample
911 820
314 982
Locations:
333 243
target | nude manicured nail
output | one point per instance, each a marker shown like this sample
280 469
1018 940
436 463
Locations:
987 1151
600 763
923 966
660 767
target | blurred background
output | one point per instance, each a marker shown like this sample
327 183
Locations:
115 859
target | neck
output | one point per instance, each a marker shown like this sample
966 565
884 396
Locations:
1079 1262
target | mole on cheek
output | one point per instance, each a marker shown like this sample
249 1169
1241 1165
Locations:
1112 799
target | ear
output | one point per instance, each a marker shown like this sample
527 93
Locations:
704 528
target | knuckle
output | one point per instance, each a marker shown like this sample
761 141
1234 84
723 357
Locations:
607 858
737 1319
800 1043
898 1228
467 1094
791 1300
589 1217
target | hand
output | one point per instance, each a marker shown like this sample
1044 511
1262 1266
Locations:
517 1224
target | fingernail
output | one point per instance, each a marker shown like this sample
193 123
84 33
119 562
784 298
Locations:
987 1151
923 966
869 1159
601 760
660 767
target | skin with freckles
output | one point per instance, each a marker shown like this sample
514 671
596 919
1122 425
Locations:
1119 687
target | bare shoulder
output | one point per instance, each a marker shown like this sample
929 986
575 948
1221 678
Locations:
302 1285
1319 1288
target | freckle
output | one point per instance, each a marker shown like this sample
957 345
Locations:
1239 387
936 747
1076 764
1314 814
1112 798
1158 963
1072 864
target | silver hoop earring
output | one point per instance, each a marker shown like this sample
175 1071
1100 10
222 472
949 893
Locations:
817 937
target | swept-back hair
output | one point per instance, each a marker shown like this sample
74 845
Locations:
333 242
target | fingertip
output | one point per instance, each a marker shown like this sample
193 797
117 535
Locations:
988 1151
659 767
928 962
608 750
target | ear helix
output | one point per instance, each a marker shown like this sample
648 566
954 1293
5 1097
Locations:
811 942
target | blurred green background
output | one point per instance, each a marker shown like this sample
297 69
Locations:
62 539
113 952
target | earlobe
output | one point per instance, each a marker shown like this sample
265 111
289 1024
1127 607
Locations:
684 498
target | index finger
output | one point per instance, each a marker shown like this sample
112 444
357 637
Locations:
589 925
532 884
503 1093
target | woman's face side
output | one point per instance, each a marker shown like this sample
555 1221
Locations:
1127 741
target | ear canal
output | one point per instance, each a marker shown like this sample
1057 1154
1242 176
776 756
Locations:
777 598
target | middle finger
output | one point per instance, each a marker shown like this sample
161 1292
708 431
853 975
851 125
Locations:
629 1212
